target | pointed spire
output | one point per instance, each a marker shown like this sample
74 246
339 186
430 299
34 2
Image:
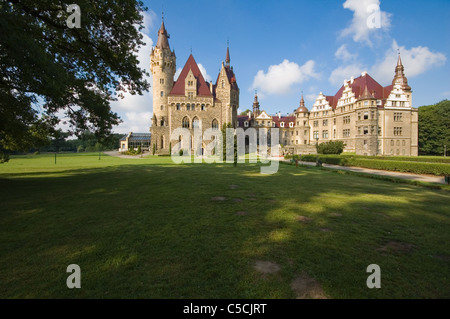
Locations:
400 78
302 101
256 104
163 36
227 58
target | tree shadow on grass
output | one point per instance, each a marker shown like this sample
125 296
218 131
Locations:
153 231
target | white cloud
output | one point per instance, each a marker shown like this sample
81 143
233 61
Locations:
177 74
279 78
205 74
343 54
135 122
416 61
367 19
345 72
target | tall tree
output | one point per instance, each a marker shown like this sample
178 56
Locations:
434 128
48 68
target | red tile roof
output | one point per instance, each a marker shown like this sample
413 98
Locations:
358 86
202 86
285 119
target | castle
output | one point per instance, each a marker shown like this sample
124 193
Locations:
189 102
369 118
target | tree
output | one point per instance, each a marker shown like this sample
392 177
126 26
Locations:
245 112
434 128
48 68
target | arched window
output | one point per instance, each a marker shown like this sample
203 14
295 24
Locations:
188 107
215 124
185 122
178 107
195 122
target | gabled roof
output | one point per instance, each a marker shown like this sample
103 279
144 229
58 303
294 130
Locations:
363 83
202 87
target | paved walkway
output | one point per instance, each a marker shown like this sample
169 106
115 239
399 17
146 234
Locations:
416 177
118 154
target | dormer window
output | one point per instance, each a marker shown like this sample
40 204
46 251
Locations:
291 124
246 124
282 124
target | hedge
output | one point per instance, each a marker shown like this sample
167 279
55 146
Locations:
438 169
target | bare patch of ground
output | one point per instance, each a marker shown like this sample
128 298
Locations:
397 247
266 267
304 219
218 198
306 287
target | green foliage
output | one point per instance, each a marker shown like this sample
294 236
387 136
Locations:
48 66
245 112
139 150
331 147
4 157
434 128
382 164
80 149
180 152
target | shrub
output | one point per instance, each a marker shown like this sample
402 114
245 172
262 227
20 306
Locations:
331 147
439 169
180 152
139 150
80 148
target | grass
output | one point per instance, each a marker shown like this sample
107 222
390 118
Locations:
146 228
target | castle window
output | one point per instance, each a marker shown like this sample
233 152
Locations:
246 124
398 131
305 132
281 124
366 130
185 122
316 134
162 107
161 81
223 83
334 133
304 123
397 117
334 121
316 123
366 115
325 134
188 107
304 142
366 103
203 107
215 124
325 122
193 107
190 95
346 132
178 107
296 133
195 123
291 124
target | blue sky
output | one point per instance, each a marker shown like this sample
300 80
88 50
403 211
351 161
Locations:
282 48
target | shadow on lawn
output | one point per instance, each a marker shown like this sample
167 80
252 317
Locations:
154 231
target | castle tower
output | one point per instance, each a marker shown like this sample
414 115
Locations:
400 81
227 91
256 110
163 67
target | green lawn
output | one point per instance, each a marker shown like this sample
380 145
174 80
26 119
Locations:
146 228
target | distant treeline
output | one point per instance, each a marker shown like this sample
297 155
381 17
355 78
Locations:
434 128
85 143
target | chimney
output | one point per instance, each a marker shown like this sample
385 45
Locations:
249 115
279 114
211 87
